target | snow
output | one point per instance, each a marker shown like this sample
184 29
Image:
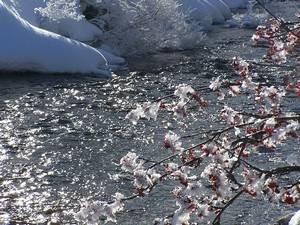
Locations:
25 9
221 5
47 35
236 4
217 15
65 18
25 47
203 11
112 59
249 21
211 11
80 30
37 13
295 220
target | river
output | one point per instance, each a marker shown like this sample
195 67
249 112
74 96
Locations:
61 136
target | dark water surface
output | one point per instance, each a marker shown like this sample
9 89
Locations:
62 136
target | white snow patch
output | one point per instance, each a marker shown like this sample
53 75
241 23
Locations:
295 220
249 21
25 9
24 47
236 4
65 17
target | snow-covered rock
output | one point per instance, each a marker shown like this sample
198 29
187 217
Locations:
112 60
27 41
217 15
295 220
196 10
28 48
236 4
57 16
289 219
205 11
232 23
221 5
65 17
26 9
249 21
209 12
80 30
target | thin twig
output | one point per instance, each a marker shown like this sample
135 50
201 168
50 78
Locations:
218 217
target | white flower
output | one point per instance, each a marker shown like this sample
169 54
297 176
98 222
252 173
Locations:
171 167
293 126
215 84
249 84
259 184
271 122
172 141
136 114
221 95
237 131
181 217
240 66
231 116
183 90
129 162
234 90
141 179
154 176
112 209
180 110
151 110
91 213
148 110
194 189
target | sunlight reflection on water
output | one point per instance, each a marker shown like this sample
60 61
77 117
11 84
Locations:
61 137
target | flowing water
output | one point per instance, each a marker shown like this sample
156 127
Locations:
61 136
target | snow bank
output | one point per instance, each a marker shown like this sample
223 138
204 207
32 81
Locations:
113 60
80 30
249 21
209 12
236 4
147 27
224 9
25 9
203 11
295 220
289 219
28 48
133 29
65 17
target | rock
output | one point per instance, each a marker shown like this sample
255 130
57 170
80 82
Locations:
289 219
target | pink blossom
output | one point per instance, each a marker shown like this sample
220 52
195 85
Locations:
172 141
215 83
183 90
129 162
148 110
135 115
141 179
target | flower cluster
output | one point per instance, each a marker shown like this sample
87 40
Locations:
279 47
172 142
147 110
209 175
91 212
143 178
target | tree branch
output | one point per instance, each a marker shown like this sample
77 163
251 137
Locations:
218 217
